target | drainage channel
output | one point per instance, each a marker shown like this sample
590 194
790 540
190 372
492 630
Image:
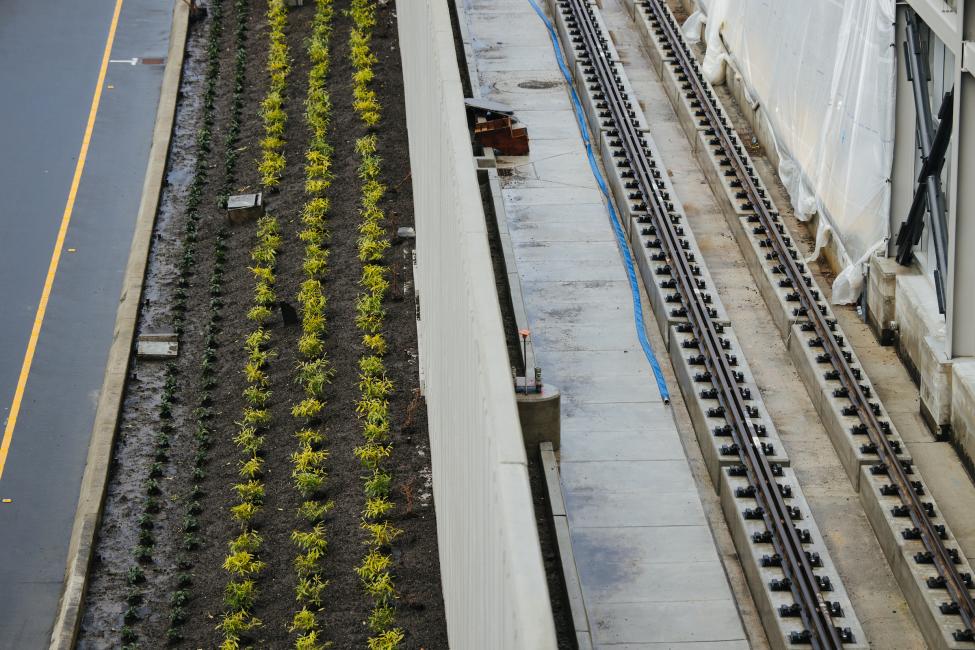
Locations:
798 590
929 565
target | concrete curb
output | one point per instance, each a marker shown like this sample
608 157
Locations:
94 483
563 546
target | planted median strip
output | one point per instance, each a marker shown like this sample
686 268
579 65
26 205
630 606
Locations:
285 518
376 569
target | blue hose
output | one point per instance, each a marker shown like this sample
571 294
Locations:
641 331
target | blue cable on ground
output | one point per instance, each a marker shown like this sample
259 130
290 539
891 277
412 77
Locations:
641 331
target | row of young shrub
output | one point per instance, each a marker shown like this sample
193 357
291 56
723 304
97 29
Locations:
243 563
208 377
375 570
314 372
275 118
145 549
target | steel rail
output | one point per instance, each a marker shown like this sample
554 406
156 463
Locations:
876 431
815 611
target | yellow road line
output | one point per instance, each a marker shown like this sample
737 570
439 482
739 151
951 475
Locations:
52 269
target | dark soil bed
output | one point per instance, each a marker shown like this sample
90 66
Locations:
175 567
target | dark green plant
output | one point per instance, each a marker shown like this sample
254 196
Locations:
131 615
135 576
152 487
128 635
143 553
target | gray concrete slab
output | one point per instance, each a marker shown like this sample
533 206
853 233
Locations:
569 227
52 56
546 125
547 195
600 477
623 510
564 336
632 444
674 623
691 645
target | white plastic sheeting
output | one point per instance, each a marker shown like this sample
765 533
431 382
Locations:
823 73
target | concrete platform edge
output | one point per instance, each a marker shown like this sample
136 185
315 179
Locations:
95 480
560 523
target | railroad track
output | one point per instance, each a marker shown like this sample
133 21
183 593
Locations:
616 106
920 548
836 361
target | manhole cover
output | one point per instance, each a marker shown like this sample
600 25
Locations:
538 85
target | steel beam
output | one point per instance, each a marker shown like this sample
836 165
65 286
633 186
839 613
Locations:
942 19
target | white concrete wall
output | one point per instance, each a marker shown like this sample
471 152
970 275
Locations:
494 583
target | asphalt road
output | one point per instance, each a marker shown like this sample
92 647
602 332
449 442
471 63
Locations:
50 58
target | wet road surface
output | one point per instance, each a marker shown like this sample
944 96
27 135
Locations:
51 56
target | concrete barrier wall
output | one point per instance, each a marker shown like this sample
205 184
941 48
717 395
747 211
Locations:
494 582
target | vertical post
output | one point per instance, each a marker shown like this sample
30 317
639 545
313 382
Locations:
961 222
903 176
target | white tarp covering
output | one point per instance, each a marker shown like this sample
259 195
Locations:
824 74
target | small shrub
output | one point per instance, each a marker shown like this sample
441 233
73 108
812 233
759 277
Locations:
382 534
244 512
381 618
242 564
314 511
388 640
240 595
303 621
308 483
247 542
250 492
309 407
377 507
251 468
236 623
310 589
311 540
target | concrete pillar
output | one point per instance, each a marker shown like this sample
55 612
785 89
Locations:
961 216
541 416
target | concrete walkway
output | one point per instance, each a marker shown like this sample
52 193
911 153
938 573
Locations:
650 574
